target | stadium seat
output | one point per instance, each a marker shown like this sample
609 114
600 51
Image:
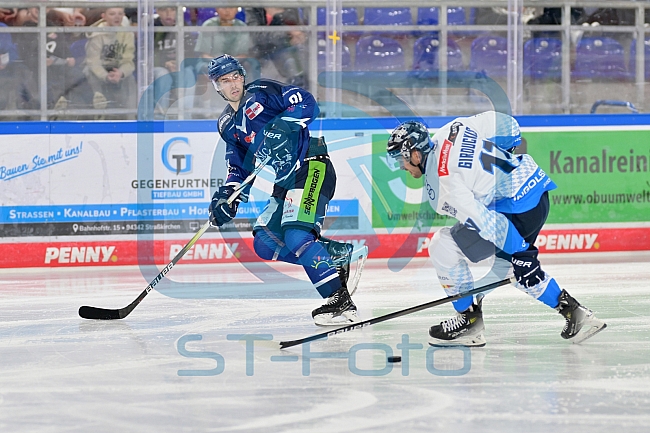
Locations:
349 16
346 60
429 16
472 15
387 16
600 58
632 68
204 14
241 15
425 55
321 16
379 53
543 58
456 16
489 54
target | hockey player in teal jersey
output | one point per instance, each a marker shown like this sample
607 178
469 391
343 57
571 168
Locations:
501 203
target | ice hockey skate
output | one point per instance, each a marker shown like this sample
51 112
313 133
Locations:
337 310
581 323
464 329
343 255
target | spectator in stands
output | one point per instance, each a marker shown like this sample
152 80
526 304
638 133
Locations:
66 81
8 58
285 50
23 17
498 16
93 15
610 17
110 63
167 75
237 44
132 15
213 44
72 17
7 49
6 14
27 45
553 16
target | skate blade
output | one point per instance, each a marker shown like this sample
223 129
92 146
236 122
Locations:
591 327
344 318
359 256
475 341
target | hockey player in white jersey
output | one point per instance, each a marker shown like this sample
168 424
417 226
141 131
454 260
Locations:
501 203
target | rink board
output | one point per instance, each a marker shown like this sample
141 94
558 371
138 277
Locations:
125 193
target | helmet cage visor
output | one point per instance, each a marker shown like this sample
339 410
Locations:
400 157
401 147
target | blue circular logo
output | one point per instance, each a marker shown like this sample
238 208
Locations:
431 192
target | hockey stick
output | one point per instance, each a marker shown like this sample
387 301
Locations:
108 314
363 324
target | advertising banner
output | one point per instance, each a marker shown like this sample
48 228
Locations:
602 176
118 253
81 197
91 185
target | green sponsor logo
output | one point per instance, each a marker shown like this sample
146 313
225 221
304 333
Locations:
602 176
309 199
398 200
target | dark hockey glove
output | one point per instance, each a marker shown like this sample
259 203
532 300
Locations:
220 211
280 135
527 268
471 243
280 141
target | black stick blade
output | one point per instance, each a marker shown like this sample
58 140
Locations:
385 317
98 313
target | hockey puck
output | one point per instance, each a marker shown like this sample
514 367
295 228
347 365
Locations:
394 359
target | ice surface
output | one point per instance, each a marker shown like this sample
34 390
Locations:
61 373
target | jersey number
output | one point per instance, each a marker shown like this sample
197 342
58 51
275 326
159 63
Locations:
295 98
488 161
